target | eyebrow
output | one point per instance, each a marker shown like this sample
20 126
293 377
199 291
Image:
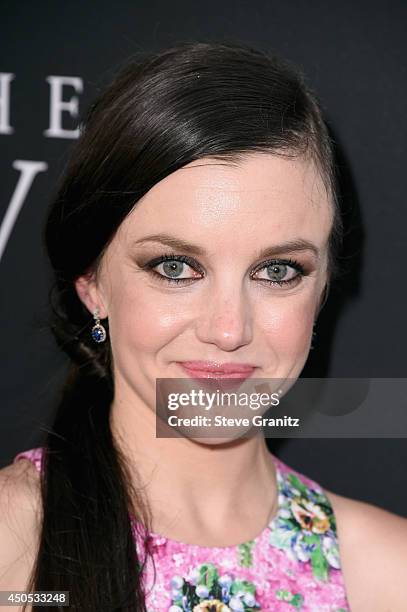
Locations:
292 246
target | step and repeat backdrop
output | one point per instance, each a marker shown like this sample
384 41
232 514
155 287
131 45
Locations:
55 58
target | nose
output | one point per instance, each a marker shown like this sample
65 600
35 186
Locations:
226 320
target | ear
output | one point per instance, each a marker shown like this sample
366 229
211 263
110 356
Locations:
89 294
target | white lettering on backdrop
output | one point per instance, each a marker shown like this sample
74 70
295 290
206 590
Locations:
5 80
58 105
28 172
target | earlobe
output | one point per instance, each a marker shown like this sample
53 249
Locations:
89 295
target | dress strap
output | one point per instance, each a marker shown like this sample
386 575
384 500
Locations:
305 525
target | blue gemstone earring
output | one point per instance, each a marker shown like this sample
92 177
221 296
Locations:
98 331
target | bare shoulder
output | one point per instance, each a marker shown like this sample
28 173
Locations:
20 517
373 550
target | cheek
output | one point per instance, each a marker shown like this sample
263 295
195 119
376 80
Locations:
289 328
144 321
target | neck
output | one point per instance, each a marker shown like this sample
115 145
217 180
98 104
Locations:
185 481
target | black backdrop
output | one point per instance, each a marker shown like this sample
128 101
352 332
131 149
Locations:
354 54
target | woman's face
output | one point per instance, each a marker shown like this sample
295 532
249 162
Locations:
238 225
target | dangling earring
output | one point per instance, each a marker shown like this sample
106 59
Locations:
313 338
98 331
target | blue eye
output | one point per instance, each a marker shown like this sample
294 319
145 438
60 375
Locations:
278 269
173 266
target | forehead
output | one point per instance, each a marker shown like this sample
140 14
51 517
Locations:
261 197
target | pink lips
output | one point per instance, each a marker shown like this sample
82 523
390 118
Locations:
213 369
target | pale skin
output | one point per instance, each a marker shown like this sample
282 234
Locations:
227 311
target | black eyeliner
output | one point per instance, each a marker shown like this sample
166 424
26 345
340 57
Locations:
151 264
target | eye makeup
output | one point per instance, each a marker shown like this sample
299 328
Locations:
275 264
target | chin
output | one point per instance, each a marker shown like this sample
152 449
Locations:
219 442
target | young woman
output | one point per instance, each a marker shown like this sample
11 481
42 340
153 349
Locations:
196 229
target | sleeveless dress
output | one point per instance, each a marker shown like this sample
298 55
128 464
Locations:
293 564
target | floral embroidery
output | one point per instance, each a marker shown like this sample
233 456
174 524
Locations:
293 564
295 600
205 590
246 553
305 525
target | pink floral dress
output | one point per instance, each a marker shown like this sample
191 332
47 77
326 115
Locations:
293 564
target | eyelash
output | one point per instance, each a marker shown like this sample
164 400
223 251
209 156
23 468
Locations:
185 259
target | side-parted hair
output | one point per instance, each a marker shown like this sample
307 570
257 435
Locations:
162 111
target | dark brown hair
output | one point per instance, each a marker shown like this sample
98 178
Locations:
162 111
